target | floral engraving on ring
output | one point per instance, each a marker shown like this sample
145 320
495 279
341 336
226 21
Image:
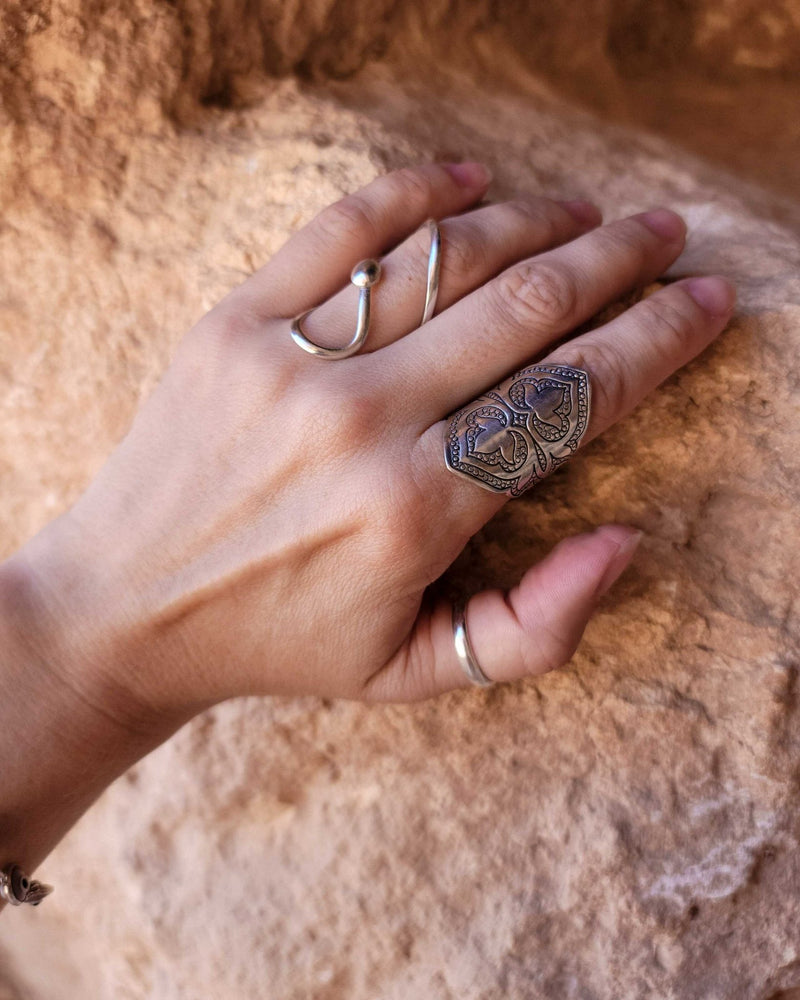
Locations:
511 437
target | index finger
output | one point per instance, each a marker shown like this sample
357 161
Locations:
317 260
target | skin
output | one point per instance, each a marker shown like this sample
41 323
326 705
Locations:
271 521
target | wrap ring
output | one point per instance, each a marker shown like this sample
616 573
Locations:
364 276
514 435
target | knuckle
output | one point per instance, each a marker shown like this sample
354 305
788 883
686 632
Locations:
627 239
518 210
353 418
467 252
350 220
411 185
539 213
670 327
610 376
228 324
550 649
537 294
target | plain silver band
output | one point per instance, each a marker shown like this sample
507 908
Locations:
432 287
464 651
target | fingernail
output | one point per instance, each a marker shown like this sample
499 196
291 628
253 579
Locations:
470 175
620 560
712 293
665 224
584 212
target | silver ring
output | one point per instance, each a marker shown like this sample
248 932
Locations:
464 651
511 437
16 888
364 276
432 286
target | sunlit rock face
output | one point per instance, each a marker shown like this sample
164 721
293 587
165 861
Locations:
625 827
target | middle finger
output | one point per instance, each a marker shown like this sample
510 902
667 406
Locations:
516 316
476 246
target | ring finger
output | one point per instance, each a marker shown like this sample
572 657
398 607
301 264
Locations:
475 247
625 359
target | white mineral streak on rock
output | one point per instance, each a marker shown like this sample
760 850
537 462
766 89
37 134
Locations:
725 869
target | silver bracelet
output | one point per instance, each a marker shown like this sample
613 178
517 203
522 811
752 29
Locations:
16 888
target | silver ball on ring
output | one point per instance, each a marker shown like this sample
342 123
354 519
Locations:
366 273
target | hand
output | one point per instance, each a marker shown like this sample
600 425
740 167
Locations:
271 521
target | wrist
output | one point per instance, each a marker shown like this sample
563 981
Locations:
58 611
64 732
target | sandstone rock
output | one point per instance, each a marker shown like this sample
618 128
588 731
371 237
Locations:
626 827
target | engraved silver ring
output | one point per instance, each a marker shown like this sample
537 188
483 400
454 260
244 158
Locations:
365 275
514 435
509 439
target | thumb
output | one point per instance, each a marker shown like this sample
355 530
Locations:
531 629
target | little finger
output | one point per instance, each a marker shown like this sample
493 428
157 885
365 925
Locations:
318 259
533 628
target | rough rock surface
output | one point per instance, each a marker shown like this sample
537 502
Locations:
626 827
